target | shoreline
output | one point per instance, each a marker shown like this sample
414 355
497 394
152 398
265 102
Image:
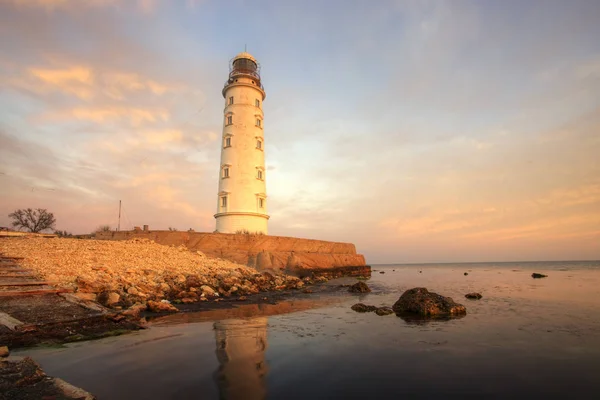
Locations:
89 289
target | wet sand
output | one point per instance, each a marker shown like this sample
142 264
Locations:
525 338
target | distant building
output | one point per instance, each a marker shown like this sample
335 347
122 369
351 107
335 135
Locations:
242 197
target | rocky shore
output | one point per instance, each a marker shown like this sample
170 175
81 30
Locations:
121 274
120 282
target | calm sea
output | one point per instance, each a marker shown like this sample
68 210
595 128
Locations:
526 338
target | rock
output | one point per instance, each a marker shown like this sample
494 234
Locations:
382 272
307 291
192 281
86 296
359 287
208 291
161 306
188 300
133 291
4 351
473 296
466 273
108 299
384 311
535 275
165 287
421 301
135 310
89 286
360 307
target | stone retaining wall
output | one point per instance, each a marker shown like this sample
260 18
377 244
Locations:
294 255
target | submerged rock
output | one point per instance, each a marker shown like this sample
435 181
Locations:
384 311
359 287
535 275
421 301
360 307
473 296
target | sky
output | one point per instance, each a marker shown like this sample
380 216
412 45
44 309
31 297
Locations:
420 131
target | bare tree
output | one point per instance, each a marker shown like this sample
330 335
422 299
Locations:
33 220
103 228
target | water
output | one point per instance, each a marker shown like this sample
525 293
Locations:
536 338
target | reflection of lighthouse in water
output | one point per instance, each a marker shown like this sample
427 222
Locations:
241 346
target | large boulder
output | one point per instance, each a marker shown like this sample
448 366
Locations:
422 302
359 287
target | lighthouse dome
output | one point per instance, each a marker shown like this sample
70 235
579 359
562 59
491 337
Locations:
245 55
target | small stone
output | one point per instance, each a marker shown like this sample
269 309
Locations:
165 287
359 287
381 311
382 272
535 275
307 291
466 273
4 351
208 291
242 298
362 308
473 296
133 291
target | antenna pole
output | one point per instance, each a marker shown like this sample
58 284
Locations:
119 226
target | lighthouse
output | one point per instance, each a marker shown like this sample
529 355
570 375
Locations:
242 196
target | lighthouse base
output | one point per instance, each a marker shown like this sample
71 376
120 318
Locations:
241 222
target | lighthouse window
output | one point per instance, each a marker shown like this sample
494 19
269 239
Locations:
229 119
231 100
258 144
223 201
259 174
257 103
258 122
228 142
261 203
226 172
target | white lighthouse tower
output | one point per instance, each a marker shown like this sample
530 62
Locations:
242 198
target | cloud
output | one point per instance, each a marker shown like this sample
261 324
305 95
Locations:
418 130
